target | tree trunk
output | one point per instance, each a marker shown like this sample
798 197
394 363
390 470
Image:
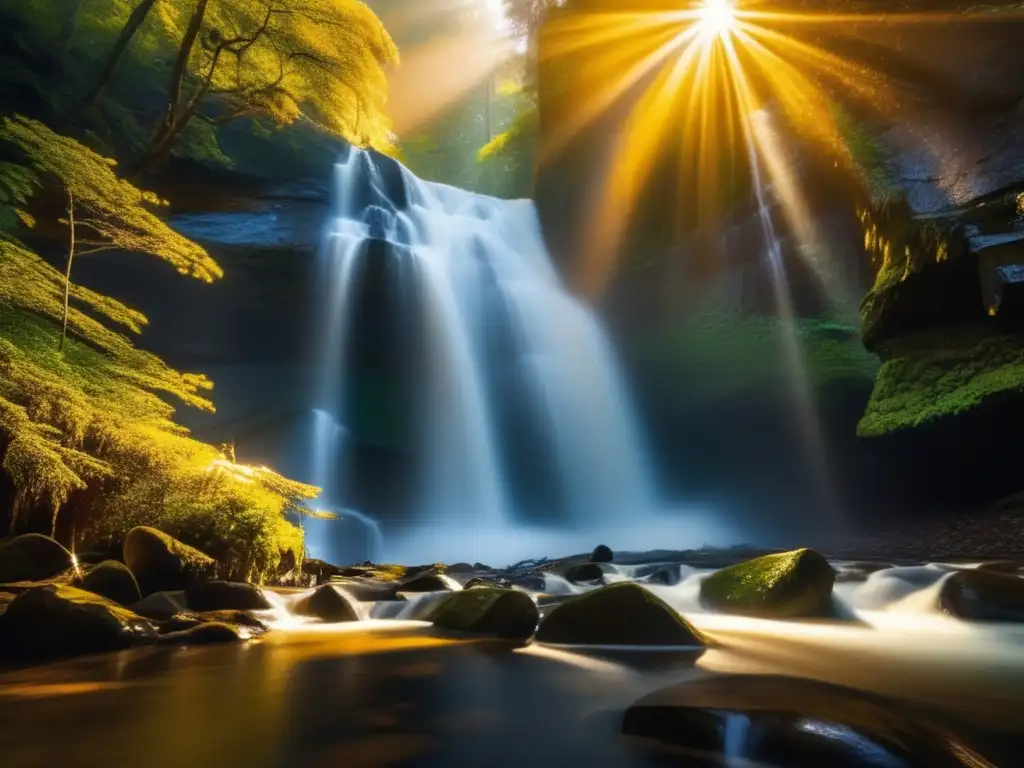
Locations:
172 124
72 28
138 15
67 270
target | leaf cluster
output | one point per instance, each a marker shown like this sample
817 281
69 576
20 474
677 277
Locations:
87 438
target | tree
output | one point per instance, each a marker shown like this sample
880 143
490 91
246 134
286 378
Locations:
135 20
86 431
104 212
317 60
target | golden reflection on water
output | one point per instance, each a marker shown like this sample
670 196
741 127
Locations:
411 696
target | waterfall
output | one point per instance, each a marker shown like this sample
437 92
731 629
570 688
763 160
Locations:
509 376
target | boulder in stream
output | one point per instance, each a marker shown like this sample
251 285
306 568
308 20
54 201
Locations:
428 582
584 572
619 614
203 634
226 595
160 605
788 585
114 581
327 603
161 562
602 554
234 618
983 596
32 557
56 620
505 613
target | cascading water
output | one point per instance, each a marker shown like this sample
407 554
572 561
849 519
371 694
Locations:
505 349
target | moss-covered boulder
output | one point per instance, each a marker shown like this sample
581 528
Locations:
203 634
983 596
794 584
327 603
619 614
161 562
428 582
32 557
114 581
505 613
56 620
225 595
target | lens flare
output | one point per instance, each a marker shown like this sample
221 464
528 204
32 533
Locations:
716 18
685 83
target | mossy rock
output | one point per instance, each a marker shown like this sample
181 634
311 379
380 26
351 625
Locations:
983 596
505 613
427 582
203 634
619 614
57 620
225 595
937 374
329 604
794 584
160 562
32 557
114 581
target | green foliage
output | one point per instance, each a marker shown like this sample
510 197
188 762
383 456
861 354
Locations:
317 60
84 429
315 63
113 213
718 353
939 373
17 185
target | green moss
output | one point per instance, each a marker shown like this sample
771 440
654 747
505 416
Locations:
504 613
939 373
161 562
387 572
83 597
716 354
619 614
790 584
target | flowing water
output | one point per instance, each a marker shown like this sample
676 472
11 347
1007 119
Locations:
389 690
499 334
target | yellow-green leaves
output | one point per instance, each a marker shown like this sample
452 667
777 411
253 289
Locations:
111 212
318 60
